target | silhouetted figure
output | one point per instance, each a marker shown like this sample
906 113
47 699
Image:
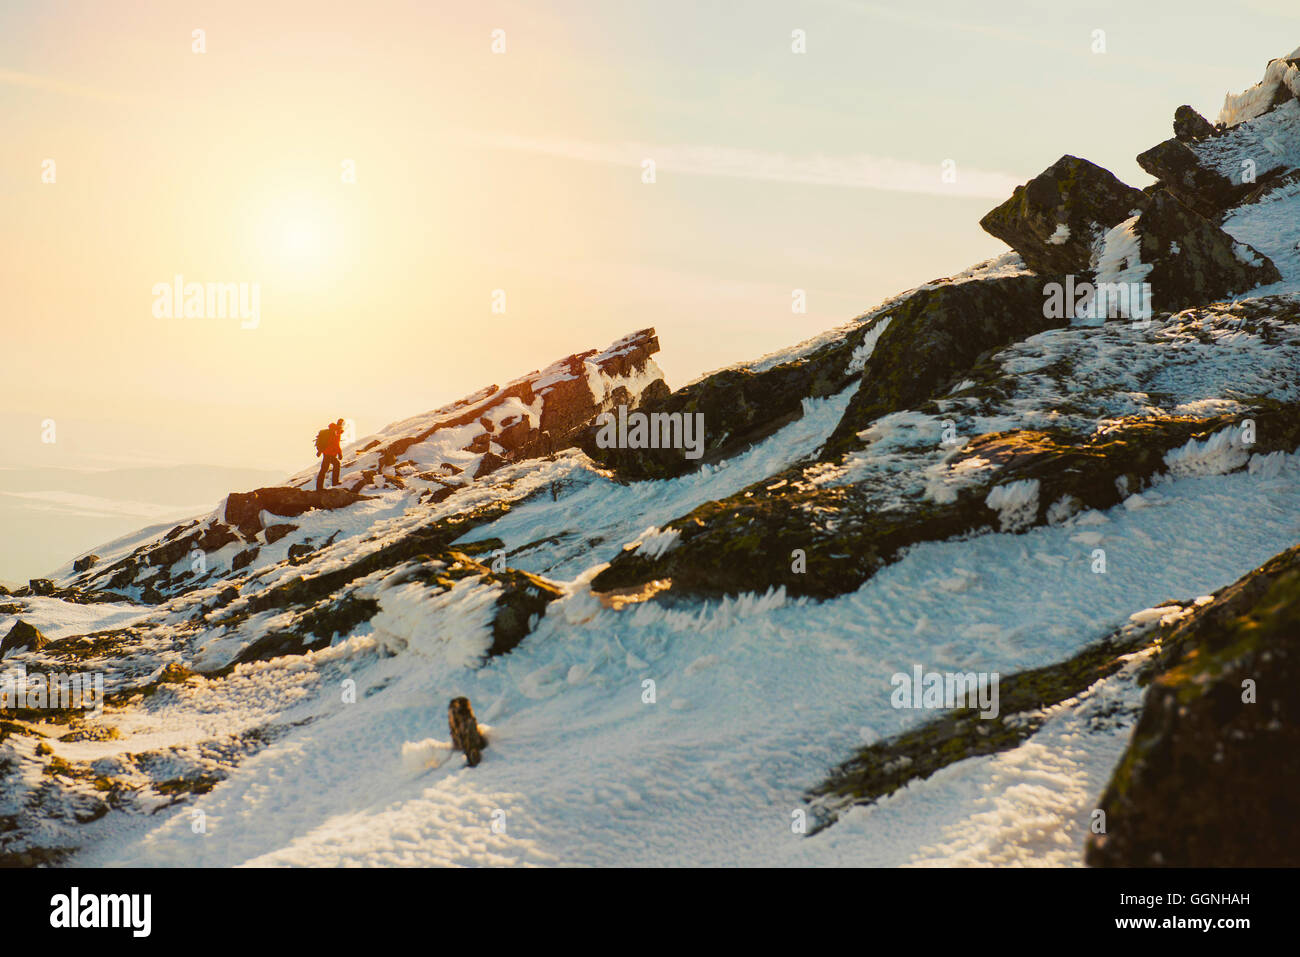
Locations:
329 448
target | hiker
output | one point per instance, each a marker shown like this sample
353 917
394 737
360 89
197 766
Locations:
327 445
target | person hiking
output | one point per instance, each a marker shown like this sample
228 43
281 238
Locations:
327 446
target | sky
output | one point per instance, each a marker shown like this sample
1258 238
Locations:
519 170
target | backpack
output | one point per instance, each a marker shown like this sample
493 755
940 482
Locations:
324 439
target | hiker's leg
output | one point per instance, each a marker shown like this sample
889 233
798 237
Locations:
320 476
337 463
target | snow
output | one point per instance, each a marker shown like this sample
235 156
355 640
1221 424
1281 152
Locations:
655 542
688 731
581 771
1240 107
858 361
1060 236
1015 502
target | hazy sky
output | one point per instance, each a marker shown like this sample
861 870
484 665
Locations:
520 171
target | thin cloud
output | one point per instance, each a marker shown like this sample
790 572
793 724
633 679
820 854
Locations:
860 171
33 81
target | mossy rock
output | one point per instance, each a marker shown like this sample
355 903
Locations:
1209 778
933 338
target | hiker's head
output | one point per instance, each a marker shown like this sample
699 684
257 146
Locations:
338 426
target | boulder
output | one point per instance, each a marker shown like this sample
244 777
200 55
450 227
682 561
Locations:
276 532
1180 172
1192 261
1211 771
22 637
244 559
83 563
244 509
465 734
1190 125
1053 220
41 586
934 337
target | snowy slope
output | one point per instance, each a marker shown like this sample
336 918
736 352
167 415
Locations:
656 727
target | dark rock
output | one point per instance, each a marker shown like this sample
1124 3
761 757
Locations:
299 552
1211 772
1194 261
567 401
23 637
1181 172
935 336
465 735
885 767
523 598
277 532
150 595
244 509
1190 125
1072 193
83 563
216 537
490 462
743 542
313 630
41 586
244 559
740 407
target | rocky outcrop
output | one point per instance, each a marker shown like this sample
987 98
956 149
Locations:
1193 262
22 637
1210 775
933 338
1054 219
1024 702
244 509
82 564
1214 171
1190 125
1180 171
740 406
535 415
838 537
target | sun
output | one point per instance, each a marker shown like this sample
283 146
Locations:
300 234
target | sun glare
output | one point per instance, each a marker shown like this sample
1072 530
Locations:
300 234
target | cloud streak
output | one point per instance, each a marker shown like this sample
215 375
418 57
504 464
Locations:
859 171
33 81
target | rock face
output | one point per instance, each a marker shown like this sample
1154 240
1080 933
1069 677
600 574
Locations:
465 735
22 637
535 415
1211 772
1180 172
1193 261
740 406
1190 125
935 336
244 509
1054 219
1212 171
